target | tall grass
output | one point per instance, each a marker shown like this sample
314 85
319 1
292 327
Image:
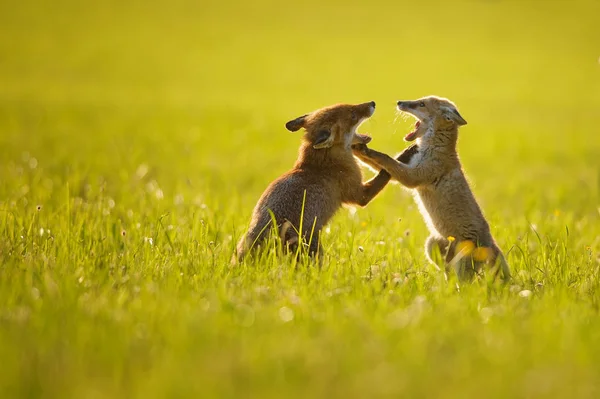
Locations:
135 138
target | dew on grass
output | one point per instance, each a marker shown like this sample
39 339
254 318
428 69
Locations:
420 299
262 289
204 304
33 163
141 171
514 288
525 293
534 227
149 240
152 187
295 299
486 314
286 314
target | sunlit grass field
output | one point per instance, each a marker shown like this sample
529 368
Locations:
136 137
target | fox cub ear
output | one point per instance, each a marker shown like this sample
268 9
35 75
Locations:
452 114
324 139
296 124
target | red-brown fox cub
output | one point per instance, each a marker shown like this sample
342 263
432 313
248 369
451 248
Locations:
325 176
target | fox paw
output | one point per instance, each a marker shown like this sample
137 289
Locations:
360 149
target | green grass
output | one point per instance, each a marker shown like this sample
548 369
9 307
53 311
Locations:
135 138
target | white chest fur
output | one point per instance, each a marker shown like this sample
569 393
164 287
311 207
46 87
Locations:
416 159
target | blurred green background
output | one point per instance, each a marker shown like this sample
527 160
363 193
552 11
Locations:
146 131
210 84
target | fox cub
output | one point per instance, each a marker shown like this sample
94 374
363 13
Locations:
459 231
325 176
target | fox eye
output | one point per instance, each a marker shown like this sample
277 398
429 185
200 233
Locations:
422 104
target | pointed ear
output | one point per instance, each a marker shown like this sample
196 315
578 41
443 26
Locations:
452 114
324 140
296 124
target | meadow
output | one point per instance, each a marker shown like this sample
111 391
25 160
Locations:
136 137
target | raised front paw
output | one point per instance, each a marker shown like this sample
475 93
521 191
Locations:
360 150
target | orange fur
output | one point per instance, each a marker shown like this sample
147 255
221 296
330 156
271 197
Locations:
325 176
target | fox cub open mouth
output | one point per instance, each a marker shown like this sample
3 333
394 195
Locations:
424 109
325 176
431 167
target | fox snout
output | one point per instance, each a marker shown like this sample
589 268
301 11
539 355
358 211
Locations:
370 108
432 106
405 105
